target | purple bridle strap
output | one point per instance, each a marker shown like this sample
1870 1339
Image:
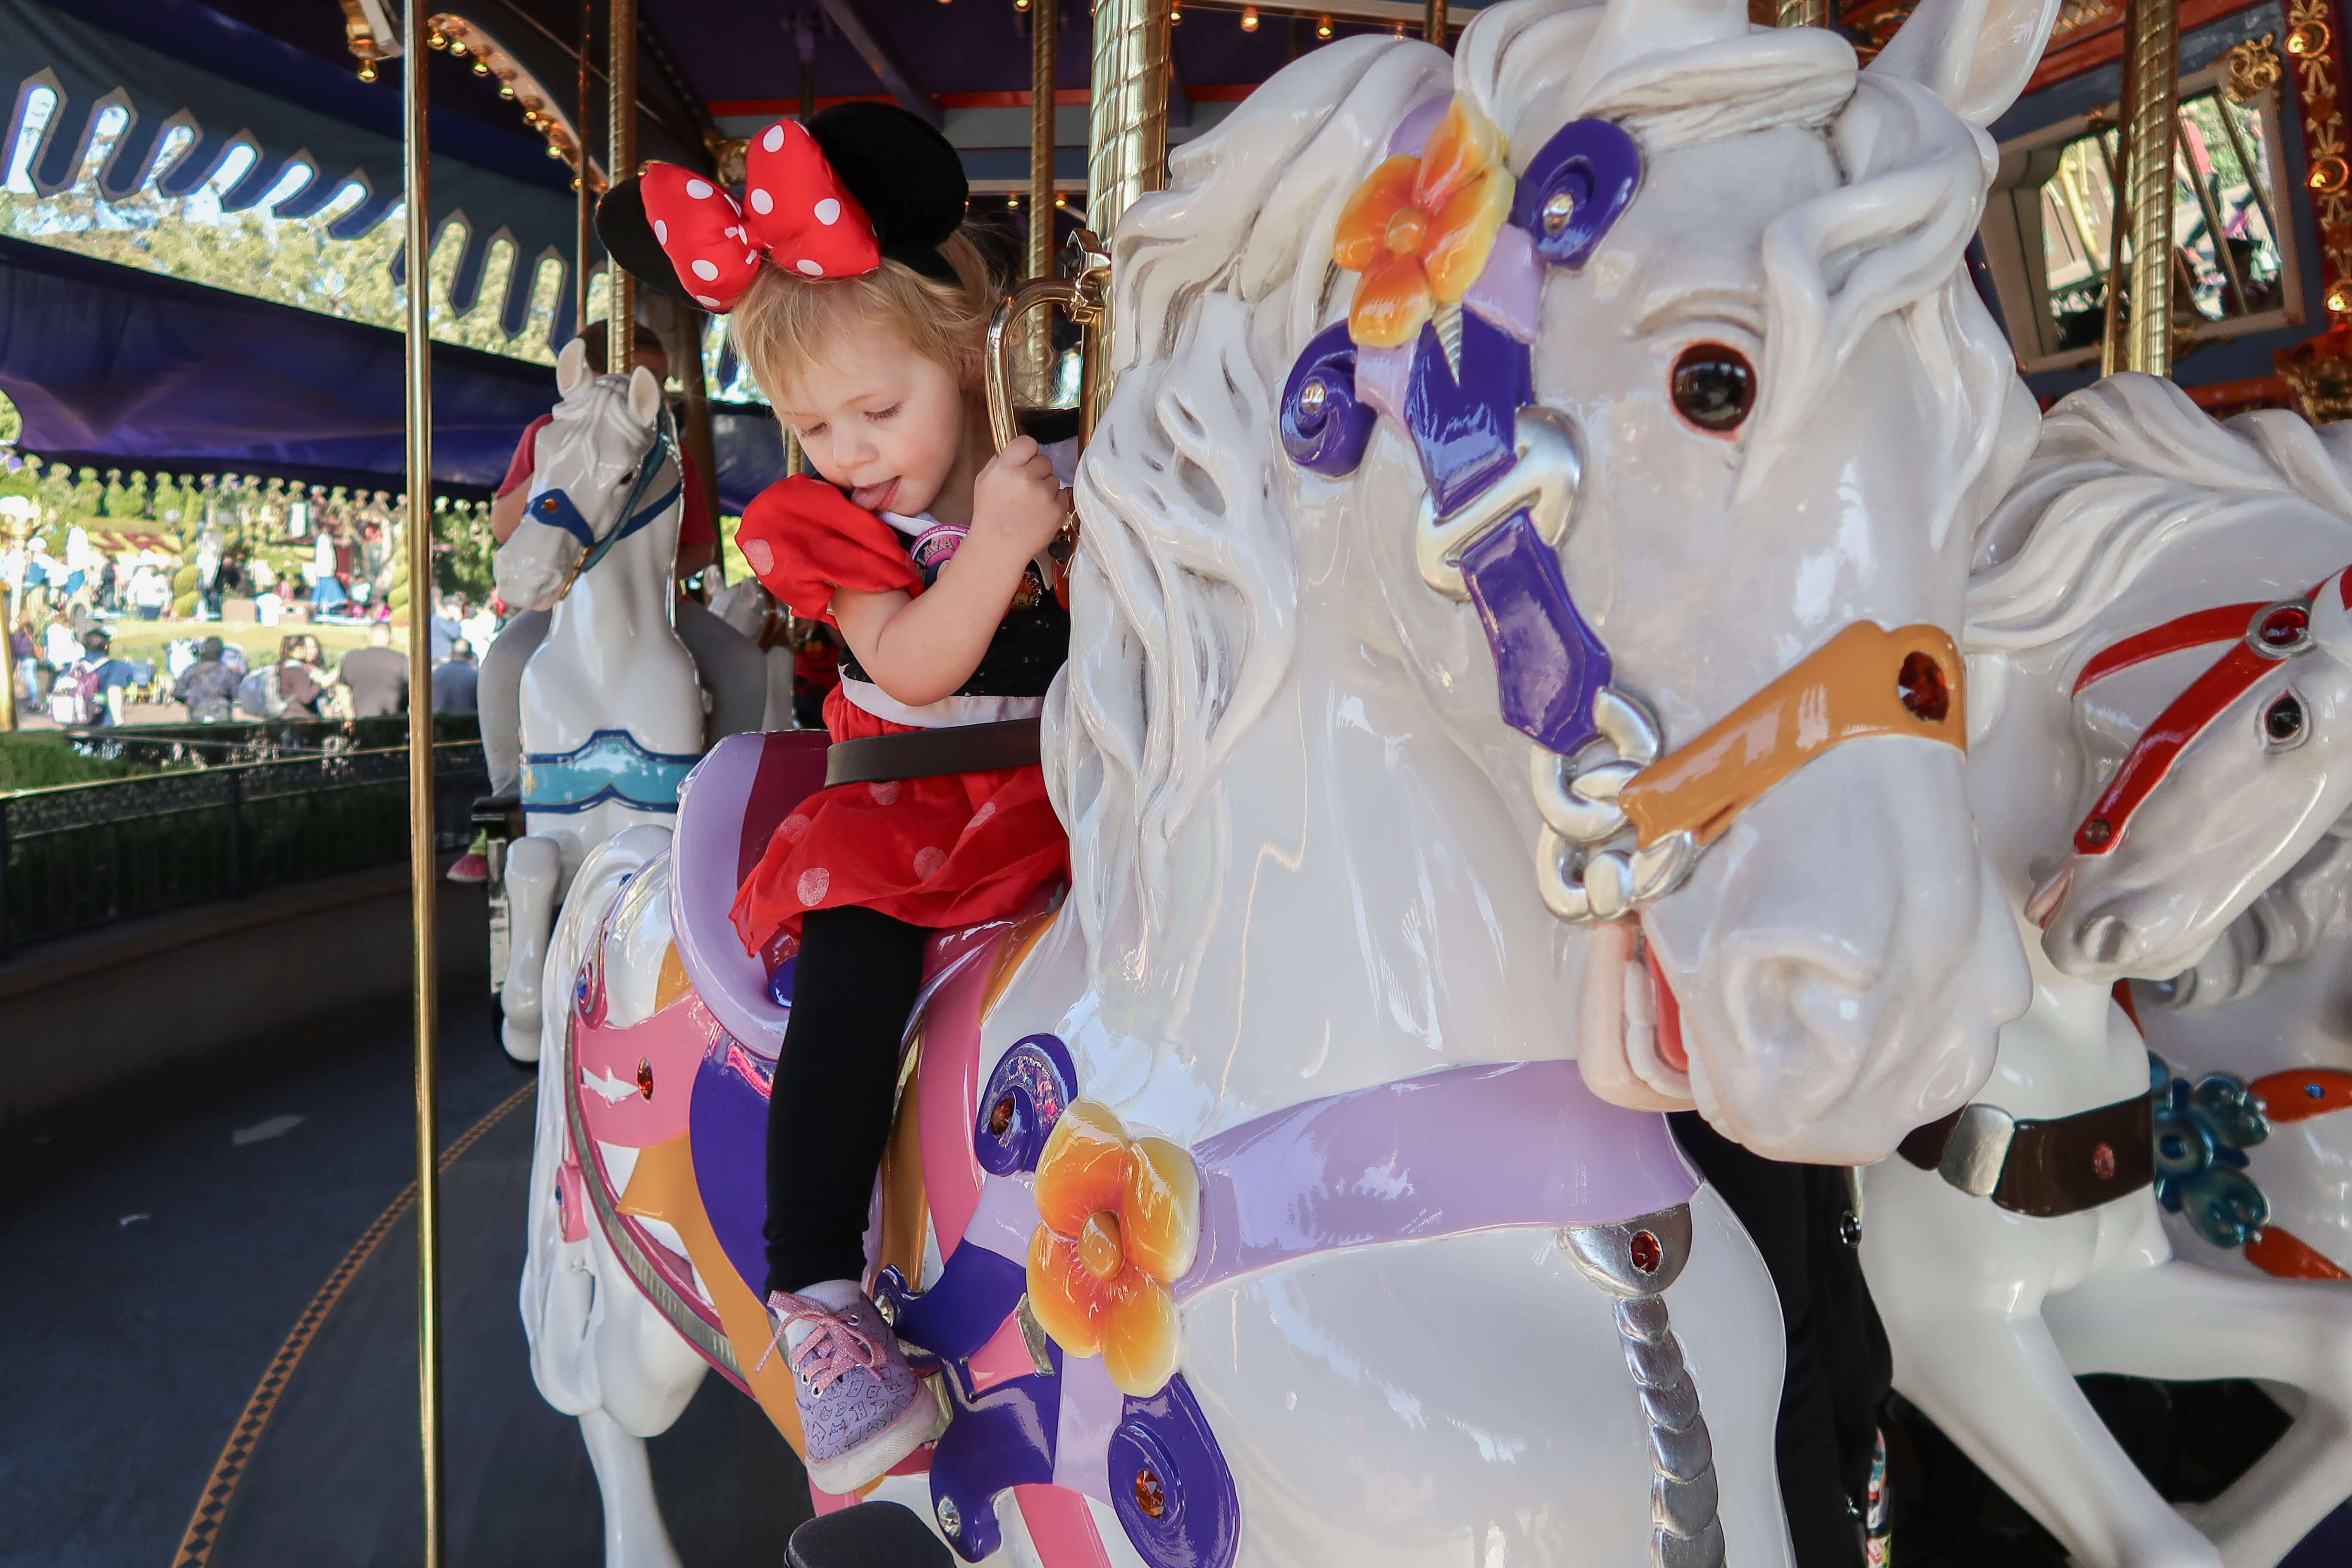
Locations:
1466 1148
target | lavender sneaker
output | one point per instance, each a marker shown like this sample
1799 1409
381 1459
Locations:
862 1410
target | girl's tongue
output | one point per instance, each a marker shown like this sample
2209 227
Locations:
876 498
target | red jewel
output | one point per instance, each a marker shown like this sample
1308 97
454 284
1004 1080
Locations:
2283 627
644 1077
2103 1162
1000 1117
1921 685
1647 1253
1148 1497
2096 831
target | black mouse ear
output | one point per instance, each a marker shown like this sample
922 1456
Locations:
908 177
628 236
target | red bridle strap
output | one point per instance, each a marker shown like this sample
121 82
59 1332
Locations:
2209 696
2227 678
2199 628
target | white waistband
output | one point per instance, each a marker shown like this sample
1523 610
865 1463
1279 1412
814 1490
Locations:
946 713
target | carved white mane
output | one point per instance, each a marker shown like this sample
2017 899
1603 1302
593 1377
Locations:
1224 278
2125 468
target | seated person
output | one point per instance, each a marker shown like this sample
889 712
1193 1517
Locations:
731 668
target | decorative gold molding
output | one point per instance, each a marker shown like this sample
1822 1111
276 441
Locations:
543 110
2317 54
2253 68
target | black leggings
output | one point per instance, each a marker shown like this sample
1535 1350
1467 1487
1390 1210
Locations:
829 1114
1839 1367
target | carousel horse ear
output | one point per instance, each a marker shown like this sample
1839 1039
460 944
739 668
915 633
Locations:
645 394
1975 54
2331 616
572 366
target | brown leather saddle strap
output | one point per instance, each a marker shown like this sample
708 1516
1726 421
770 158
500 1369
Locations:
924 753
2045 1168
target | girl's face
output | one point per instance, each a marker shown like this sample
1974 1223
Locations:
878 417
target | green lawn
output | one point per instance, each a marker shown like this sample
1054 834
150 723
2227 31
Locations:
136 638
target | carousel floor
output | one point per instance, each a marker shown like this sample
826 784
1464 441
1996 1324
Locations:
210 1311
209 1301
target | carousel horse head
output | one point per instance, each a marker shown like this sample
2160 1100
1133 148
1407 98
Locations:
2216 725
1621 382
2238 777
607 469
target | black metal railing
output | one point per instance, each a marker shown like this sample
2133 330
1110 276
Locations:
86 854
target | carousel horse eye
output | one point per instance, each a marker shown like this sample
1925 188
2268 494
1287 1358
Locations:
2283 723
1714 386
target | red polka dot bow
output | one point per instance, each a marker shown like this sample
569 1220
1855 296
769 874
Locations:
796 212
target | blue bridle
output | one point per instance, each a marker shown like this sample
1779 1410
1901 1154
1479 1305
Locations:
556 509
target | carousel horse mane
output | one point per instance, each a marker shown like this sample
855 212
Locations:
2123 471
1183 623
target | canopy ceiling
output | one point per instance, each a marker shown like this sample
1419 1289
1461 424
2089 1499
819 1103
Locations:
108 364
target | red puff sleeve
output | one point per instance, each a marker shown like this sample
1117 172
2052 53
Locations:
804 539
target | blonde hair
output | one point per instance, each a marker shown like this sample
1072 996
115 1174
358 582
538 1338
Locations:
784 321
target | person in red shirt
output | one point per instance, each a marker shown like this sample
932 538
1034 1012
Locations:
733 670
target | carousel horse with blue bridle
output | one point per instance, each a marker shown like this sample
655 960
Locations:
611 708
1511 689
2152 673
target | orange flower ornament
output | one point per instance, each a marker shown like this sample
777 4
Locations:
1420 228
1121 1220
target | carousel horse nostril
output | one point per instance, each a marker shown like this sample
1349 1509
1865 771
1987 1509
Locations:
2105 939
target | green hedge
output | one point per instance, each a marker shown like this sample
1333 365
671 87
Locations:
43 759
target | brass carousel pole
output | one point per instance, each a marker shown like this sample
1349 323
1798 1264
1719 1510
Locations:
583 234
1433 22
1801 14
1126 145
620 163
424 872
1044 45
2151 60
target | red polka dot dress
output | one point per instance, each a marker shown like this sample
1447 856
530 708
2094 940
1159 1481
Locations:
948 850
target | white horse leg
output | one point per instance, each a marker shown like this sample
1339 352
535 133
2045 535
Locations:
2013 1404
2178 1321
1960 1286
534 875
634 1536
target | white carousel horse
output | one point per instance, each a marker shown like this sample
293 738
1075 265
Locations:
2231 884
612 711
2268 1011
751 610
2020 1246
1302 947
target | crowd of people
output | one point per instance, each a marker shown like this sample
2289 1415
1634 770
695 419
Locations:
66 669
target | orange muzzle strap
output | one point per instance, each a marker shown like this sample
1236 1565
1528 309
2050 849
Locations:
1863 682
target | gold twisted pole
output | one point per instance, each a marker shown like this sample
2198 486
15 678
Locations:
1126 145
1801 14
620 163
2152 91
1045 46
584 210
424 872
1433 22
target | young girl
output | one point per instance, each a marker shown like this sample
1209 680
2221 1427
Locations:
862 307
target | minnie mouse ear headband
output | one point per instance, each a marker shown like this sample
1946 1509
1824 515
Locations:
860 183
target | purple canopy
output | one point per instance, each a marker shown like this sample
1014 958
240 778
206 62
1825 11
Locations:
110 363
